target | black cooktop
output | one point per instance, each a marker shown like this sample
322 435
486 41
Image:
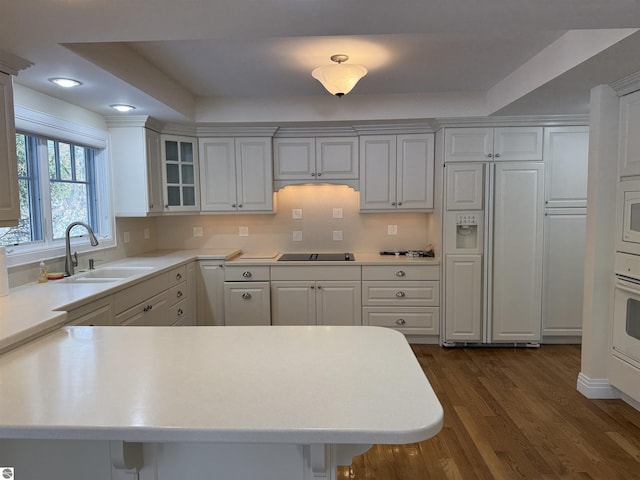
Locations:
316 257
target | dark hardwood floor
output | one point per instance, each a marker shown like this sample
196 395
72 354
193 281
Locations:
511 414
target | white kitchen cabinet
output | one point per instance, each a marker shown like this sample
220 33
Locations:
247 303
236 174
464 188
180 173
98 313
403 297
396 172
317 295
566 157
210 292
316 303
563 272
463 298
152 312
629 143
476 144
9 197
316 159
517 252
136 157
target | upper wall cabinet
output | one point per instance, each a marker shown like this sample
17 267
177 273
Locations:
236 174
322 159
136 160
493 144
180 174
629 147
396 172
566 155
9 199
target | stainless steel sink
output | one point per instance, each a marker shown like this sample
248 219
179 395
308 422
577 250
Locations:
106 274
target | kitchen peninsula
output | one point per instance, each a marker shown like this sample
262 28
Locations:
201 402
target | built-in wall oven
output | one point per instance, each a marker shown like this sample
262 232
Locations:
626 321
628 217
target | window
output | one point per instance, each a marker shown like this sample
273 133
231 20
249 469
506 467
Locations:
59 183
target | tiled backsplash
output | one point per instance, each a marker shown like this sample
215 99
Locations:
318 206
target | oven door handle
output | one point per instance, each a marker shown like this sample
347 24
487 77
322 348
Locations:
625 288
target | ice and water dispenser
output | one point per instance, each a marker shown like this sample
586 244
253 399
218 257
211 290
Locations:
467 230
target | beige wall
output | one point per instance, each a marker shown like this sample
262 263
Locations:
362 232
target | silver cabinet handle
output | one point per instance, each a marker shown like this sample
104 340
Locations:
490 155
319 287
180 312
399 203
246 295
497 155
179 294
400 321
400 273
313 174
320 174
393 203
240 206
247 274
147 308
178 276
313 287
401 294
233 205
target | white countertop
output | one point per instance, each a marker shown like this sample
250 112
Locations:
37 308
301 385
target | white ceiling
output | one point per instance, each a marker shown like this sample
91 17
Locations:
186 60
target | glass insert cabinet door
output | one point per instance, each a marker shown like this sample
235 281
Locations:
180 173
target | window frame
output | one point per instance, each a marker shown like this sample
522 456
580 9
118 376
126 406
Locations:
38 124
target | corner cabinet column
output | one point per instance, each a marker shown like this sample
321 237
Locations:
9 197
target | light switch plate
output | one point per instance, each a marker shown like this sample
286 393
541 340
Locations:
392 229
243 231
146 233
337 213
126 237
296 213
197 231
297 236
337 235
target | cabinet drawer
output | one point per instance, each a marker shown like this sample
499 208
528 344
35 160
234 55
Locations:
401 293
152 312
179 312
238 273
401 272
177 293
135 294
177 275
405 319
316 272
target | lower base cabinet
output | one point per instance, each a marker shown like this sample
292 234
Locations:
98 314
247 303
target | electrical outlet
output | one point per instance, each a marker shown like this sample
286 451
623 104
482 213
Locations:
145 232
198 231
126 237
392 229
337 235
296 213
243 231
337 213
297 236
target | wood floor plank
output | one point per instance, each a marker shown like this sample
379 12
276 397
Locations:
511 413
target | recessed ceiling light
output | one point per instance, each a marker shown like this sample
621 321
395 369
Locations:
123 108
65 82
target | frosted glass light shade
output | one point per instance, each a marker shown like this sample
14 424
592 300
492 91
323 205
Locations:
339 79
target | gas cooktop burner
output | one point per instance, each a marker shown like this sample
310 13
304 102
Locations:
316 257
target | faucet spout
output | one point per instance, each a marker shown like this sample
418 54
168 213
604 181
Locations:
69 263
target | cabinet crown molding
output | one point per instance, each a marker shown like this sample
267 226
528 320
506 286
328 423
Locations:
515 121
134 121
627 85
12 64
204 130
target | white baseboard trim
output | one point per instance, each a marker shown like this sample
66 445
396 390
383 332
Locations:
596 388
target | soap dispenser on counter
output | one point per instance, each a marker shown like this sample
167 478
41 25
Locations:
43 276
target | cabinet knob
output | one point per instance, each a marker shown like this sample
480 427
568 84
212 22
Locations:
400 321
246 295
319 174
401 294
490 155
399 203
319 287
178 276
400 273
497 155
151 206
180 312
179 294
233 205
393 203
240 206
313 174
313 287
247 274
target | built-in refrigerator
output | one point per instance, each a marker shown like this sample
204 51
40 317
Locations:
492 246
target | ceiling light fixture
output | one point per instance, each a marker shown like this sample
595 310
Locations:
123 108
339 79
65 82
